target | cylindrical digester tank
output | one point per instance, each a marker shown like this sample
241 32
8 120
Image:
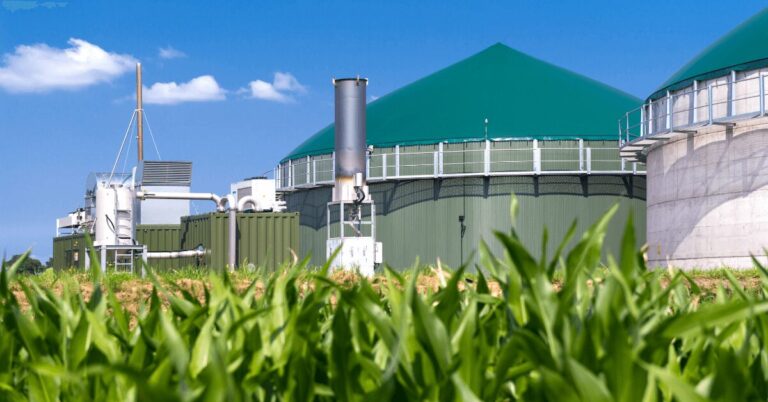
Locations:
350 126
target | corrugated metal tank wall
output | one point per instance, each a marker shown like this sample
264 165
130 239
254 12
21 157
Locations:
420 218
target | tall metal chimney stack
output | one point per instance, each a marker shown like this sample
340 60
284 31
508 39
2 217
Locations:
349 137
139 115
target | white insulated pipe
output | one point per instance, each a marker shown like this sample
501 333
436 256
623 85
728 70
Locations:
175 254
221 202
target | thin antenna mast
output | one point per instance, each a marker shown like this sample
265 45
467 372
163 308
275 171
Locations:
139 115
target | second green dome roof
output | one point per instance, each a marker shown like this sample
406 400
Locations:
743 48
522 98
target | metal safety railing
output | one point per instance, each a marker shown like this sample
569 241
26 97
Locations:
696 106
477 159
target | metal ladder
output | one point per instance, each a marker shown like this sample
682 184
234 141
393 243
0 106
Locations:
124 260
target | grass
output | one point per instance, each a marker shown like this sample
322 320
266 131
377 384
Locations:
566 328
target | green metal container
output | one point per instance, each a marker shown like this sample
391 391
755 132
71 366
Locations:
69 251
264 239
162 238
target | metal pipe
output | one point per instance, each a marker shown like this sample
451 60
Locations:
221 202
175 254
139 115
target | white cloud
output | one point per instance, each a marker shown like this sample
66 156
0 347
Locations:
41 68
200 89
169 52
280 90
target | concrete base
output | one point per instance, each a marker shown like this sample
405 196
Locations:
708 197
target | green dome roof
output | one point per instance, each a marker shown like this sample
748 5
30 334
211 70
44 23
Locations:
744 48
522 98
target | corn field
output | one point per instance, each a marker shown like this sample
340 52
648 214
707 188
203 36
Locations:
610 331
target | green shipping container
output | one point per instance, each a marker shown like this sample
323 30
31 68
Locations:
264 239
162 238
69 251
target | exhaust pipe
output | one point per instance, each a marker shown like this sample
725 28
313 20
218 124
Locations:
349 137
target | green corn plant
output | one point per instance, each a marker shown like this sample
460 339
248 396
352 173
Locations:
572 326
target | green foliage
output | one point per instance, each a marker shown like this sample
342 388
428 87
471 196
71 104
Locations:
28 264
610 332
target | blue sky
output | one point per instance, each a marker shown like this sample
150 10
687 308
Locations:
232 115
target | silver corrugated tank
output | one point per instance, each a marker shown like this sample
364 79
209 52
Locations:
350 126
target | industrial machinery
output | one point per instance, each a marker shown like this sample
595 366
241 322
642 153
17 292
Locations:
154 192
356 234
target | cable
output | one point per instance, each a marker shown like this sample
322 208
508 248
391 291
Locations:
152 136
122 144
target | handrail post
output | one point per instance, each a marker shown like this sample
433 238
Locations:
290 173
642 122
581 155
397 161
333 166
367 164
435 157
731 94
669 110
709 102
536 157
308 172
762 93
487 158
695 102
314 171
440 157
651 119
589 160
384 166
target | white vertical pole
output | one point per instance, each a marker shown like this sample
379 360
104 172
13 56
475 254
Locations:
581 153
709 103
397 161
669 110
651 122
384 166
314 171
367 165
308 172
732 94
762 94
290 173
589 160
440 158
487 158
435 162
695 102
536 157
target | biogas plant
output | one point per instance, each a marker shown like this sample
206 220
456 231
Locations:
428 171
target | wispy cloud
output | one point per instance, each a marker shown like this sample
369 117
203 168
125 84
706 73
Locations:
169 52
200 89
41 68
281 89
24 5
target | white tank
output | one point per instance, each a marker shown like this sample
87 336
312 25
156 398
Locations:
114 216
